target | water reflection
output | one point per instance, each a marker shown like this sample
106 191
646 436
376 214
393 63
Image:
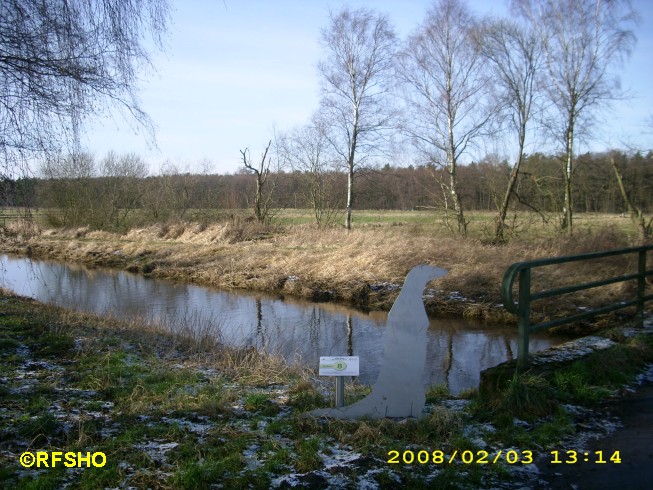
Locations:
457 350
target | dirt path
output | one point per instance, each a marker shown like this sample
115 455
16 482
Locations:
634 441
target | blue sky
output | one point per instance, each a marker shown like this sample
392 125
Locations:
234 70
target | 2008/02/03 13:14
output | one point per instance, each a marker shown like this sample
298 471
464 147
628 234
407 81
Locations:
572 457
511 457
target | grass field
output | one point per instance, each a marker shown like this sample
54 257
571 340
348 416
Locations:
547 223
522 226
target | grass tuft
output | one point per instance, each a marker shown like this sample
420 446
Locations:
525 396
304 396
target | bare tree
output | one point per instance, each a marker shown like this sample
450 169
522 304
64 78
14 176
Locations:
446 92
65 61
514 55
356 75
80 192
637 216
583 40
67 190
305 150
121 187
262 173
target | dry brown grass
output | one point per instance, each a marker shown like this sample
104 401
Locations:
334 264
190 346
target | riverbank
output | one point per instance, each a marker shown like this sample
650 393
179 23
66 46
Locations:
172 412
364 267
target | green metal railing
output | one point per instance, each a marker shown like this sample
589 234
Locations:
523 308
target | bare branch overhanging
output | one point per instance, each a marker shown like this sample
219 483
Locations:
63 62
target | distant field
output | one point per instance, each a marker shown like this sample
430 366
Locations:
523 225
11 214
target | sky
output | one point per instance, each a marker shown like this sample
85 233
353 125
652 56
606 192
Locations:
235 71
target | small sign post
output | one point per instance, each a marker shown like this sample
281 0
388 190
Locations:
339 366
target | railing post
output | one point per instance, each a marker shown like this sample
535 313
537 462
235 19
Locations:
523 316
641 286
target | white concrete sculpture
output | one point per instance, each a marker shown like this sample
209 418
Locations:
398 391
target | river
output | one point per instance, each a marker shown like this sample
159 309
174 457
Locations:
457 351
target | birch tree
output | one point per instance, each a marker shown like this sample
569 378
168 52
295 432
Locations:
583 40
65 61
356 77
446 92
514 55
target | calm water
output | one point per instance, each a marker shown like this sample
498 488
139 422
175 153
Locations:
457 349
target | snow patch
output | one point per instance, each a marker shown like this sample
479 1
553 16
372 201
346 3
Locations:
646 376
339 457
385 286
199 428
157 450
456 405
250 455
570 351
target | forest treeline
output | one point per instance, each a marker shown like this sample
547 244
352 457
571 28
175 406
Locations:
117 193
